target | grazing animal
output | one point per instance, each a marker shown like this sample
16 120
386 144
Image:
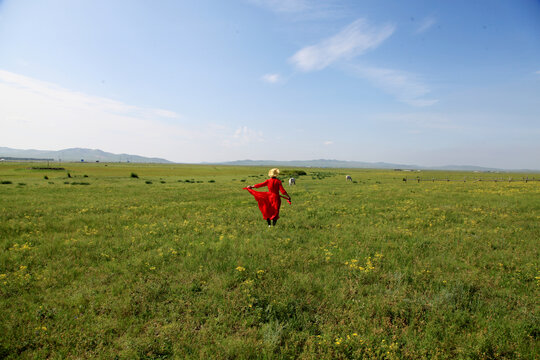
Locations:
348 178
292 181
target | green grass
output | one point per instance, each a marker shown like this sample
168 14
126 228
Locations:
178 263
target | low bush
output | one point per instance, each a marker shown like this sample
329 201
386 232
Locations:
293 173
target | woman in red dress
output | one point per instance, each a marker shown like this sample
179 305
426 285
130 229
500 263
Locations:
270 202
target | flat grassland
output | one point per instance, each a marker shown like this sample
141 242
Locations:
175 261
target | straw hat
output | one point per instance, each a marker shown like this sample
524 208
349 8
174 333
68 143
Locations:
273 172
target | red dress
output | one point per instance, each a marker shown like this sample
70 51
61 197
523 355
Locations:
269 201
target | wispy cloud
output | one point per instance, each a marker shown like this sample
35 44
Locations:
271 78
78 100
420 122
328 142
426 23
166 113
42 115
304 9
353 40
405 87
244 136
283 6
537 72
356 39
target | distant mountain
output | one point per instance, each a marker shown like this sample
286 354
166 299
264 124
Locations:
75 154
93 155
323 163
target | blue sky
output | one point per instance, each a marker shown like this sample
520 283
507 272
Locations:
414 82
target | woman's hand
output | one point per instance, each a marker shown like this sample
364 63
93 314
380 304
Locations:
250 187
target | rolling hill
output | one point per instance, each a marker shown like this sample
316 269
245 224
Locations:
75 154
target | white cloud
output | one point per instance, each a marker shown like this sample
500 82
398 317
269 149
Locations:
283 6
355 39
73 99
405 87
427 23
166 113
328 142
271 78
537 72
422 121
40 115
244 136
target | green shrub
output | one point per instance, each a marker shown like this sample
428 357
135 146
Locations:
293 173
133 175
5 182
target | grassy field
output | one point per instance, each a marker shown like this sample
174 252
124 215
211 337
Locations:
174 261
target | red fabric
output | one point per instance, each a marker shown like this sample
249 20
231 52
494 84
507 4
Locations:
269 201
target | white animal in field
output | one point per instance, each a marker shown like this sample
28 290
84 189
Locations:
292 181
348 178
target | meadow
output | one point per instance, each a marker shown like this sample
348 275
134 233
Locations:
140 261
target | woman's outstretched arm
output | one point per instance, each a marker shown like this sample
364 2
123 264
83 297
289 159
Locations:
282 189
264 183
